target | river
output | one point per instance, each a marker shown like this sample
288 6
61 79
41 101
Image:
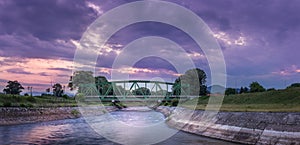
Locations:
78 131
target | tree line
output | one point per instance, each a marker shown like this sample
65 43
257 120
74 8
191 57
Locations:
254 87
191 82
15 88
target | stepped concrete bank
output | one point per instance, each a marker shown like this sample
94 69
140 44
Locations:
242 127
17 115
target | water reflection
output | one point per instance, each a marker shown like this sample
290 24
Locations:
77 131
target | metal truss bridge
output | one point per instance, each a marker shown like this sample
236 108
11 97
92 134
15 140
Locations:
135 90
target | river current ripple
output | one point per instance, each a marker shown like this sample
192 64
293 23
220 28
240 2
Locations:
77 131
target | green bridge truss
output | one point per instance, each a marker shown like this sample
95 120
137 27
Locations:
132 90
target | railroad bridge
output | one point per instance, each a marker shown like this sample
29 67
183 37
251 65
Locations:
135 90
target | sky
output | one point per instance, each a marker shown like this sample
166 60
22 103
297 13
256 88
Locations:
259 41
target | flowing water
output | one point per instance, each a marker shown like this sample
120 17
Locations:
78 131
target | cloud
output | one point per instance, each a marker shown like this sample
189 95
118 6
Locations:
96 8
18 71
259 39
36 71
28 46
47 20
137 72
289 71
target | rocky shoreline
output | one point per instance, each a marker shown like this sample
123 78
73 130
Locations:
242 127
19 115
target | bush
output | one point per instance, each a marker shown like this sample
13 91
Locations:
29 105
294 85
174 102
22 105
65 96
7 104
271 89
75 112
166 104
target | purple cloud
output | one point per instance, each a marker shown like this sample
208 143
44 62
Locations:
259 39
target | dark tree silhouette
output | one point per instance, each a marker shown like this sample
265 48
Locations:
141 91
195 79
244 90
13 87
294 85
256 87
230 91
80 78
58 90
103 85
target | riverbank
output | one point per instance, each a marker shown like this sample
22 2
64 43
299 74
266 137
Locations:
241 127
19 115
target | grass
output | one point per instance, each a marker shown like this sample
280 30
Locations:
37 101
287 100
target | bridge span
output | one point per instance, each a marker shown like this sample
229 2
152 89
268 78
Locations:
135 90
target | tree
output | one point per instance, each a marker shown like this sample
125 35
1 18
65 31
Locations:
103 85
48 90
58 90
141 91
244 90
230 91
256 87
79 79
271 89
176 88
13 87
203 90
195 79
294 85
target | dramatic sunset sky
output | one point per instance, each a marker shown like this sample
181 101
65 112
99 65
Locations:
259 38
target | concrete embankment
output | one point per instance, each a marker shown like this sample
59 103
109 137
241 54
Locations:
242 127
17 115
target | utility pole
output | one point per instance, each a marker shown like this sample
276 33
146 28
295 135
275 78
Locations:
30 89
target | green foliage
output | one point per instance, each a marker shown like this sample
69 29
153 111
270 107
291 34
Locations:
287 96
81 78
22 105
271 89
141 91
13 87
195 79
75 113
57 90
38 101
176 88
230 91
65 96
7 104
29 105
244 90
103 86
174 102
295 85
166 104
256 87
